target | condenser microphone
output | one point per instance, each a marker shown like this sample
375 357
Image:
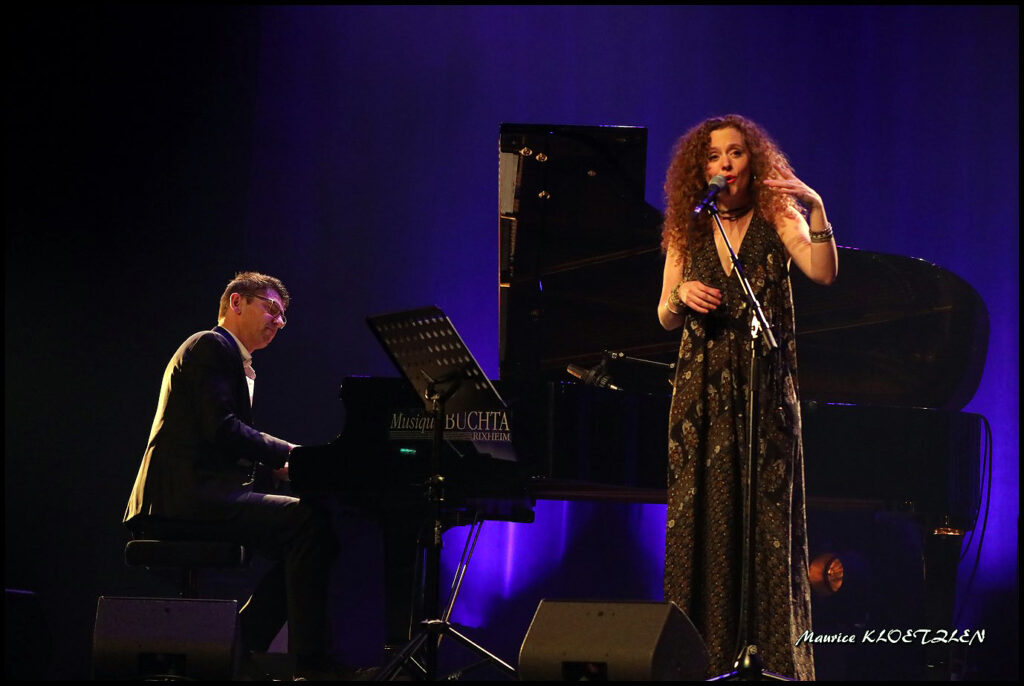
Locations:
715 186
592 377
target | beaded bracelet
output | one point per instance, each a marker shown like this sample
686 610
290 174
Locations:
674 299
823 236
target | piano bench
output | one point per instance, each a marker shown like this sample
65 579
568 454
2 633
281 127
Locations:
187 556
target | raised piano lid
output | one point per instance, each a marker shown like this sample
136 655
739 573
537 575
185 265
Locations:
572 212
579 190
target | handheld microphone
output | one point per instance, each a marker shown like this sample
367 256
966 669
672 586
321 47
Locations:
715 186
592 377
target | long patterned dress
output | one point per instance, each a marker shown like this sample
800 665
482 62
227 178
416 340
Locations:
707 449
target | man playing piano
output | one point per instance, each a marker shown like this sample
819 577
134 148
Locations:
197 473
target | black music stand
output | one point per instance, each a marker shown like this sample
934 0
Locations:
431 355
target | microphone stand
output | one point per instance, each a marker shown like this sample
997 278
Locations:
748 665
644 370
615 355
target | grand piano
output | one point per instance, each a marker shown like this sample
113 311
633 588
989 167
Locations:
888 357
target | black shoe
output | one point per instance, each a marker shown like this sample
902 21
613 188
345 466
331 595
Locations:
336 673
366 673
328 670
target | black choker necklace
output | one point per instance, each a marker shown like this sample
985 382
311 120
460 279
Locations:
733 215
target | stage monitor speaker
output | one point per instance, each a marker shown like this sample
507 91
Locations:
611 641
164 638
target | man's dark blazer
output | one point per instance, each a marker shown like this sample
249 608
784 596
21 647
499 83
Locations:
202 443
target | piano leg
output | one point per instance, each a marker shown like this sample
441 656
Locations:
942 555
400 530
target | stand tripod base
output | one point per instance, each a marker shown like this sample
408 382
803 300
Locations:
748 667
427 639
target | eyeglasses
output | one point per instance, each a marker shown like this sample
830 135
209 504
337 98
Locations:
273 309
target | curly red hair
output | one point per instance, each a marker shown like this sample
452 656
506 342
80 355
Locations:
686 182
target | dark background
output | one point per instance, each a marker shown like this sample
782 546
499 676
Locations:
149 153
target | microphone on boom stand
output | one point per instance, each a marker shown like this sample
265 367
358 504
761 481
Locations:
595 376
